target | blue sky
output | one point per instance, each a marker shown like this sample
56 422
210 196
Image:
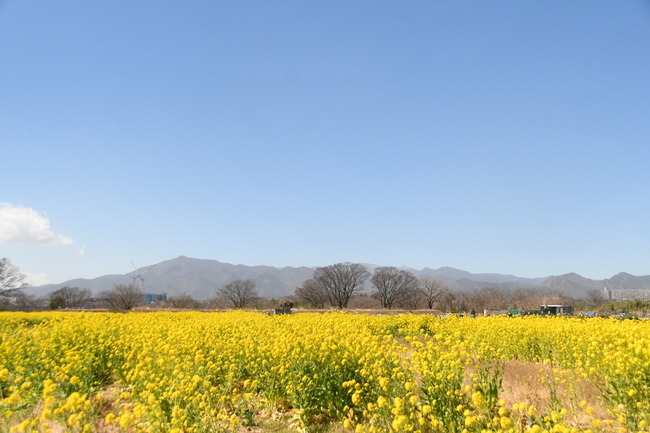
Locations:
503 136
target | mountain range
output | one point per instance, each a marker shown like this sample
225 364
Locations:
201 278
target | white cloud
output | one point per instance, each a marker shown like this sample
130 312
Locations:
23 225
39 279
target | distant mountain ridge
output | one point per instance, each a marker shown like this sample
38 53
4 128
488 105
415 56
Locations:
577 286
201 278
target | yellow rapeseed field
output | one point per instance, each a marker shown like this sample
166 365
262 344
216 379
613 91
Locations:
225 372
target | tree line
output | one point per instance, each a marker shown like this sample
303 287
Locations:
337 285
340 286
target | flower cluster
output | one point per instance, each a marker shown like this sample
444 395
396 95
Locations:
216 372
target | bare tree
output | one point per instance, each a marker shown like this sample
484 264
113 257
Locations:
413 299
462 303
287 302
18 300
434 291
364 302
124 297
393 284
525 298
183 301
260 303
489 298
11 279
215 303
448 302
69 297
312 293
239 292
595 298
340 281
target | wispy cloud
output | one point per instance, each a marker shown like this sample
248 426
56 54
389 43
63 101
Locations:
24 225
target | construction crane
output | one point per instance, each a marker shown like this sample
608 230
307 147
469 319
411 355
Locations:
138 275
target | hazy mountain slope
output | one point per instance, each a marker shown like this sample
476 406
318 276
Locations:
572 285
464 279
625 281
201 278
99 284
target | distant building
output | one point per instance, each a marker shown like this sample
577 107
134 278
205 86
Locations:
626 294
607 294
544 310
556 310
154 298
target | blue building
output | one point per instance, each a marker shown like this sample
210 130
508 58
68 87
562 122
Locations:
153 298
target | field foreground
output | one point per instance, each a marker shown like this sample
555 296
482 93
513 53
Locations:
237 372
